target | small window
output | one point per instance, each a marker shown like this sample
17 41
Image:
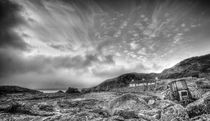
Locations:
181 85
184 93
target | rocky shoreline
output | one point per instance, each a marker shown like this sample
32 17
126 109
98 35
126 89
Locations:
102 106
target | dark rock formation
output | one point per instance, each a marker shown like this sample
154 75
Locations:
71 90
204 117
195 67
121 107
46 107
174 112
199 107
127 102
23 108
16 89
127 114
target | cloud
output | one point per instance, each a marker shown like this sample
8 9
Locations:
13 62
43 70
115 70
84 42
8 20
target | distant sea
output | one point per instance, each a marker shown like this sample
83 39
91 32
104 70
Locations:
50 91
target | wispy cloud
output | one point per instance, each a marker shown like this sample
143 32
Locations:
84 42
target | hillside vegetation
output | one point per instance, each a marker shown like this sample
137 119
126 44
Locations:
121 81
195 67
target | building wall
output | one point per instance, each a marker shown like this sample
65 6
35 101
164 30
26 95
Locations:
141 84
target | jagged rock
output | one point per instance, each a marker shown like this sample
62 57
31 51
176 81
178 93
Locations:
171 111
55 118
104 113
87 103
87 115
204 117
153 114
46 107
161 104
23 108
195 92
116 118
126 114
65 117
129 102
18 117
79 116
206 95
199 107
144 117
150 99
71 90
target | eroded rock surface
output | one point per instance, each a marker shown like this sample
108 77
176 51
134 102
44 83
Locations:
199 107
174 112
101 107
128 102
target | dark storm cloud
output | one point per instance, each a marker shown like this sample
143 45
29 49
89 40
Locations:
8 20
203 5
12 62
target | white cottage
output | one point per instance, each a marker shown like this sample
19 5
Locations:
135 83
143 82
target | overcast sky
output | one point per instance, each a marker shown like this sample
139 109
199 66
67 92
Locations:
80 43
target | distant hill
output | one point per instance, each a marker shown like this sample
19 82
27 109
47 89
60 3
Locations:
16 89
121 81
196 67
192 67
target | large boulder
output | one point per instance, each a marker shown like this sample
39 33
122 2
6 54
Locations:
151 115
127 105
195 92
127 114
71 90
45 107
171 111
199 107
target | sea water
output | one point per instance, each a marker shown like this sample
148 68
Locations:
50 91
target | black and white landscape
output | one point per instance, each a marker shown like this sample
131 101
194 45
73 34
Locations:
104 60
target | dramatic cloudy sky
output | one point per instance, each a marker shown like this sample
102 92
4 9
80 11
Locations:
80 43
